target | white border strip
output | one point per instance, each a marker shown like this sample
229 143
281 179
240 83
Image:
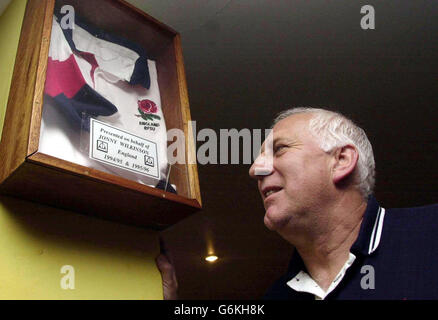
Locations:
378 226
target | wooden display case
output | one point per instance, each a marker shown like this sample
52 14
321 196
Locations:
27 173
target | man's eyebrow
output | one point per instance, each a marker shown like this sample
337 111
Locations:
280 139
276 140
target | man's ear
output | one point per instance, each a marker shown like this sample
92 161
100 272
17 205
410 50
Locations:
345 160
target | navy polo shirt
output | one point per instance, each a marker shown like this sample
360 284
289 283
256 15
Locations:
396 258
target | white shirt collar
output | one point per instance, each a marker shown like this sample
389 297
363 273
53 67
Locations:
303 282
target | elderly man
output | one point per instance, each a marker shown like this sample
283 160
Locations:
316 176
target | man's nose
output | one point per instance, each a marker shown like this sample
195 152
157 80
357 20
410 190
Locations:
262 166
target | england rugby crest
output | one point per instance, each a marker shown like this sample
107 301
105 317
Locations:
148 112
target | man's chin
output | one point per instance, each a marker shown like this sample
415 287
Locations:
269 224
272 223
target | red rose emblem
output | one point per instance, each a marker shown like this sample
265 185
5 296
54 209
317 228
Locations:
147 106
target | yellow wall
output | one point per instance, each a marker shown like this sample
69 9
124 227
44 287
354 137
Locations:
110 261
10 27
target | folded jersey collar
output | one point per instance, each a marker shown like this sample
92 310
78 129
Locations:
131 57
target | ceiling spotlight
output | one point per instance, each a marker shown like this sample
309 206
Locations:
211 258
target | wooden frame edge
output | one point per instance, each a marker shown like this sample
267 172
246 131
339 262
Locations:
195 191
14 140
37 106
106 178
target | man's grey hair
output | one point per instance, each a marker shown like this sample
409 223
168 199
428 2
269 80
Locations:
333 130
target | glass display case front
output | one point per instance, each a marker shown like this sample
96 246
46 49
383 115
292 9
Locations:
102 103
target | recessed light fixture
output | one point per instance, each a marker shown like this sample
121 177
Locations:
211 258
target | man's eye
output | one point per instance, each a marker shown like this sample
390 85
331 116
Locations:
279 148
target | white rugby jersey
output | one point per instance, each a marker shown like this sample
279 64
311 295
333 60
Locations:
138 108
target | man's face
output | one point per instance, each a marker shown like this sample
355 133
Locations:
299 180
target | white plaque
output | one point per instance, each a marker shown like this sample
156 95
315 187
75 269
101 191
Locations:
122 149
